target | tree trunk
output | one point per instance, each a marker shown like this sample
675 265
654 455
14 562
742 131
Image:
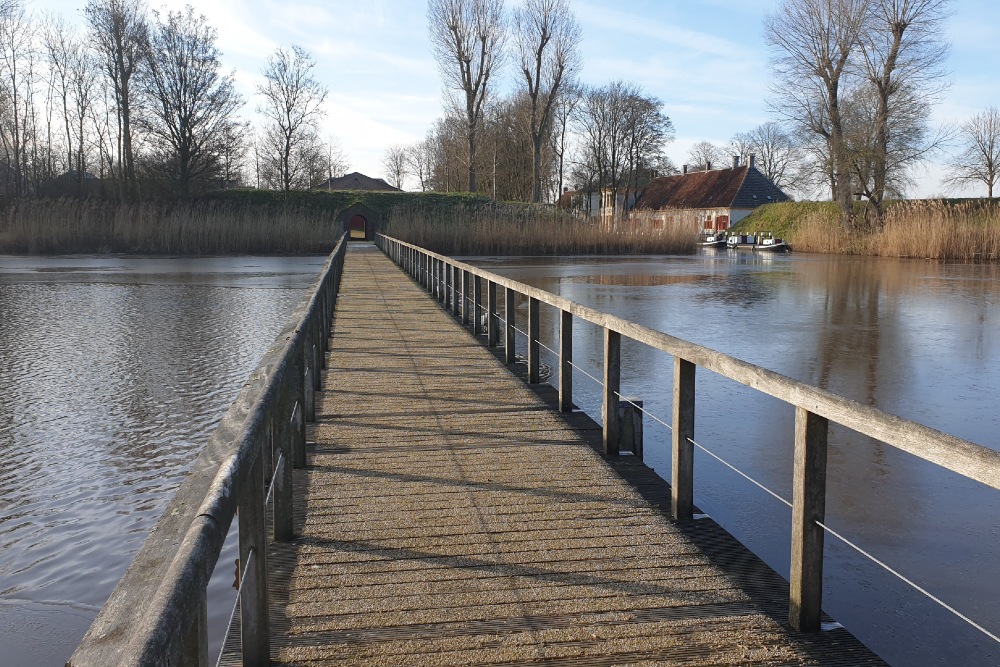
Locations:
472 157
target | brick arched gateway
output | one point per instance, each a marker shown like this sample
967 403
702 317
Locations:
360 222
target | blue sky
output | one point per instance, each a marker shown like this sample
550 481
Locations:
706 60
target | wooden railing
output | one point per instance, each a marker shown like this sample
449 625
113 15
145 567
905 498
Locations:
157 615
462 286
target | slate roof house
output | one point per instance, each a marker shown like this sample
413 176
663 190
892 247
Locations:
706 200
355 181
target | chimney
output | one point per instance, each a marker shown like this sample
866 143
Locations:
684 169
753 160
736 161
708 165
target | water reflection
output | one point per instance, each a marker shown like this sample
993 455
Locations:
917 339
113 371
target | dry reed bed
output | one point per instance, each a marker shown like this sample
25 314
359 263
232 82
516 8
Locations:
922 229
520 230
207 228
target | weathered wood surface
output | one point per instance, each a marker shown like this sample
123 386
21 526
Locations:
452 518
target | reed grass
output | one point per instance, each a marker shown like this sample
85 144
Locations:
965 231
54 226
527 230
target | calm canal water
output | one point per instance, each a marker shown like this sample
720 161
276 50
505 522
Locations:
917 339
113 371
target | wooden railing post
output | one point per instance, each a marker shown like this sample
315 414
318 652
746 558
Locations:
298 435
533 347
808 510
565 361
612 386
509 346
281 430
466 287
448 285
254 624
456 291
492 322
682 449
477 306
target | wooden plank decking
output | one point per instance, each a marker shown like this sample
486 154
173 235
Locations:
450 517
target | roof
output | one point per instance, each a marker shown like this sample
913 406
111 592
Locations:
355 181
737 187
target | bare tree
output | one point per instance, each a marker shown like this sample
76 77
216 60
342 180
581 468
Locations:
978 161
16 93
814 41
192 104
292 103
547 38
563 116
119 33
776 153
902 53
706 155
420 161
468 39
395 165
623 134
336 160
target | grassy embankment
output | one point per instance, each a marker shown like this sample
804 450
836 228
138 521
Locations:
263 222
966 230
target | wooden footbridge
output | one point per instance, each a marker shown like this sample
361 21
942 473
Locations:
410 496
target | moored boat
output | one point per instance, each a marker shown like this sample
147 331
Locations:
764 241
713 240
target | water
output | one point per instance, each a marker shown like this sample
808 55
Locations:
913 338
113 371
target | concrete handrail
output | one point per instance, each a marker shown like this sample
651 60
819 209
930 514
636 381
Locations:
156 614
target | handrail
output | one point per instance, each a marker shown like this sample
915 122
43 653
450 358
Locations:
461 284
157 612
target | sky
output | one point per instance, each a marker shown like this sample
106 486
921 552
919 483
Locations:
705 59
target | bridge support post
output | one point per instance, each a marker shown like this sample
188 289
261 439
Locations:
565 361
509 344
533 347
612 385
808 510
682 445
456 290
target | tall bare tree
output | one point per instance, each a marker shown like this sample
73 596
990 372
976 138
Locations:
292 102
192 104
16 96
902 52
547 39
396 166
468 38
420 161
564 115
623 133
813 42
120 35
978 160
